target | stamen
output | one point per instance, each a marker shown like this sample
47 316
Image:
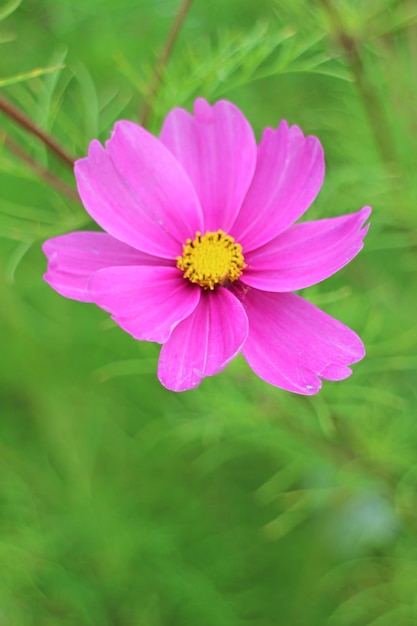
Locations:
211 259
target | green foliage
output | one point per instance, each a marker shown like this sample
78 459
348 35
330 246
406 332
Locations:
9 8
18 78
236 59
5 11
234 504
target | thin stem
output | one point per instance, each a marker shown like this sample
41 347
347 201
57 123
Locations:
23 120
40 171
370 99
163 59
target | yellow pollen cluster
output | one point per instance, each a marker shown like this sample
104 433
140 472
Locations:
211 259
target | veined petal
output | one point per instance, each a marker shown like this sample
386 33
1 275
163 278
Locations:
292 344
288 176
217 149
74 257
204 343
306 253
138 192
147 302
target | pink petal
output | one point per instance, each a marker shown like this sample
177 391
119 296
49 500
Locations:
292 343
138 192
147 302
306 253
217 149
288 177
205 342
74 257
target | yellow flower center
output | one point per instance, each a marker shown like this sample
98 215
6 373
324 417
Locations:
211 259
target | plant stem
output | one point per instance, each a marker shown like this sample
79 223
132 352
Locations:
40 171
162 60
374 110
23 120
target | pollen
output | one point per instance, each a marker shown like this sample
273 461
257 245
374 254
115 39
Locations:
211 259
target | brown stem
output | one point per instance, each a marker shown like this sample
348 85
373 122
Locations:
163 59
370 99
23 120
39 170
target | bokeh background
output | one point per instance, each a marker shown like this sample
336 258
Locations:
236 504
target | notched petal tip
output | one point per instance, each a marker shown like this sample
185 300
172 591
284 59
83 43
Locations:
289 174
89 166
365 212
293 345
124 130
121 125
203 111
74 257
49 249
335 372
137 191
216 148
307 253
94 153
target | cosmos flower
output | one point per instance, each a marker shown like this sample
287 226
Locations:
201 252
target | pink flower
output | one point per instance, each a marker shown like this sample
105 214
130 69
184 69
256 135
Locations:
200 252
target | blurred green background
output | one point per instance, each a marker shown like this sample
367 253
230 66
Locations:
236 504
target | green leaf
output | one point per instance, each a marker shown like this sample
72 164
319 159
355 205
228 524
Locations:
18 78
9 8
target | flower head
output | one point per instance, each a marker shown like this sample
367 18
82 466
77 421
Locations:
201 252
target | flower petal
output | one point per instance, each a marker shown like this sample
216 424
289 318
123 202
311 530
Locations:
291 343
74 257
306 253
204 343
147 302
138 192
288 177
217 149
